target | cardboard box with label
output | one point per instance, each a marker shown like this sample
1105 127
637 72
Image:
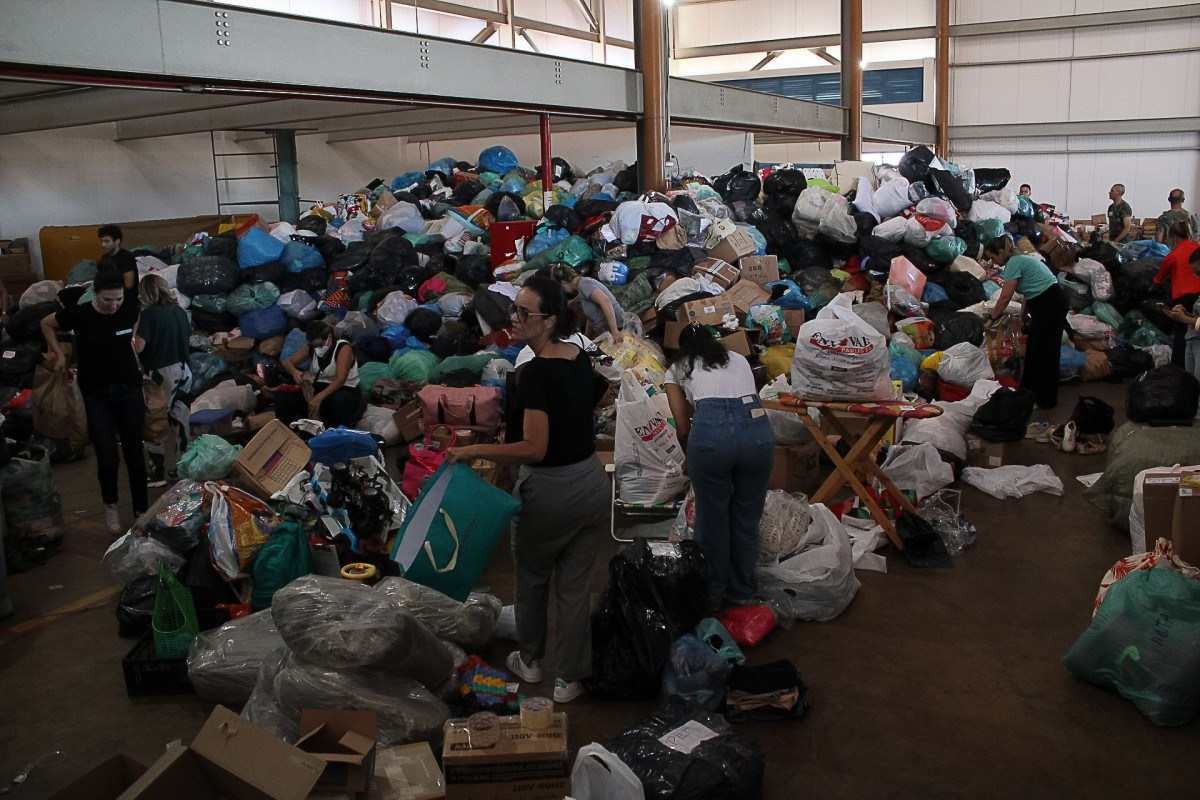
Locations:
649 319
759 269
744 294
734 246
717 270
516 763
706 311
410 421
1171 499
271 459
345 742
230 759
796 468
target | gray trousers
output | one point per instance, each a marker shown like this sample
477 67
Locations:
555 541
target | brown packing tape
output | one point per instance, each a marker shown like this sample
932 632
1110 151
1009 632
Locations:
536 713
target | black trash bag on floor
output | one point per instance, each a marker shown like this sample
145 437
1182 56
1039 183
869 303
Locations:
880 252
455 339
211 322
627 179
728 766
315 223
25 325
747 211
18 362
1078 294
1092 415
781 189
963 288
312 281
834 248
222 246
423 323
270 272
375 348
914 165
135 608
207 275
967 231
802 253
678 262
944 183
989 179
560 170
649 602
353 257
329 247
1004 417
959 327
920 259
1163 396
391 252
473 270
866 223
1127 362
588 209
494 308
410 279
1132 284
738 184
1105 253
563 217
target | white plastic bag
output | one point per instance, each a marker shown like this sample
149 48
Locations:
836 221
226 396
918 468
968 265
915 233
283 231
892 196
403 215
818 583
892 230
963 364
840 357
1014 480
649 461
634 221
601 775
221 546
381 422
1094 274
949 431
810 207
1005 198
133 556
784 527
1090 327
395 308
298 304
938 208
786 425
985 209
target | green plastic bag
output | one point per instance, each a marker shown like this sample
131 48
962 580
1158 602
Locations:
369 373
472 364
573 252
251 297
989 229
453 284
280 561
208 458
713 633
945 249
1025 207
452 529
212 303
412 365
174 618
1107 314
1141 332
636 295
1144 641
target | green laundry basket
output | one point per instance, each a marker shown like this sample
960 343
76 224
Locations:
174 620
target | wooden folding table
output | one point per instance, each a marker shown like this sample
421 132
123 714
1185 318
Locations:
859 464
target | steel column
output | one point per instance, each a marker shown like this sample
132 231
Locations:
287 176
852 37
651 60
942 109
547 157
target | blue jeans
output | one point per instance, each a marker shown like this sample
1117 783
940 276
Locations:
729 461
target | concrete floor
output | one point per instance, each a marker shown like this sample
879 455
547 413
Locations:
933 683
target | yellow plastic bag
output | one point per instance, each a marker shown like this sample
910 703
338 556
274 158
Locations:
239 526
778 360
933 361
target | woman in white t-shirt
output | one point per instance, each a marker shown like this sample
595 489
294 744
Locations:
729 443
333 375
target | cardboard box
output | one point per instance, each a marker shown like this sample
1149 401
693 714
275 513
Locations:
1184 533
106 781
230 759
734 246
706 311
796 468
345 742
718 270
737 342
523 764
744 294
846 173
794 319
982 453
271 459
1171 498
759 269
649 319
410 421
408 772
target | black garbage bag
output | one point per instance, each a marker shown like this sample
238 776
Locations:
503 211
879 252
311 281
353 257
922 545
679 262
1163 396
223 246
270 272
410 279
212 322
738 184
946 184
1127 362
455 339
18 362
627 179
989 179
423 323
315 223
766 692
833 248
1004 417
473 270
391 252
747 211
866 223
1093 415
649 602
375 348
956 328
25 325
494 308
967 231
728 766
963 288
1103 252
781 189
811 279
465 192
135 608
329 247
920 259
207 275
1132 284
1078 293
563 217
914 165
587 209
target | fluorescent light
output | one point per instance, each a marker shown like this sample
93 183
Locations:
863 64
668 3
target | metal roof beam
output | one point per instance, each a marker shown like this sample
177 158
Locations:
1112 127
882 128
800 43
489 30
1102 19
521 130
767 59
94 106
713 105
481 119
270 114
386 119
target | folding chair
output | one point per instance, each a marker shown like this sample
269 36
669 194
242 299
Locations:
631 514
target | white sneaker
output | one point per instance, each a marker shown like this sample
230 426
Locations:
1070 437
528 673
566 692
112 519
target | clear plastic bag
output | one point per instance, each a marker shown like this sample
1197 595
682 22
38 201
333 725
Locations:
951 526
819 582
133 556
783 527
600 775
406 710
343 625
224 663
470 623
262 707
918 468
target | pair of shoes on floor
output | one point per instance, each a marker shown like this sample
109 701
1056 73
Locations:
1039 431
531 672
1068 439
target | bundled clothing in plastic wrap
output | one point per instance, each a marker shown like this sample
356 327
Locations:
1134 447
470 623
224 663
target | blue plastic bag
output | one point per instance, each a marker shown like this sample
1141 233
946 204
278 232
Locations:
263 323
791 300
337 445
291 343
451 530
205 368
904 371
1070 362
257 247
498 159
444 166
407 181
1144 248
695 674
299 257
514 184
544 239
934 293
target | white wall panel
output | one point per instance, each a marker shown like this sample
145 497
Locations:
618 18
1137 38
964 11
1138 87
1009 93
1094 6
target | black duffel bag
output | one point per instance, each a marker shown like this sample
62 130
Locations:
1004 417
959 327
207 275
1164 396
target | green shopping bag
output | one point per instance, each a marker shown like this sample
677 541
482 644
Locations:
452 529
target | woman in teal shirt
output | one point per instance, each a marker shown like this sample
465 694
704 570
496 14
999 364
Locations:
1046 306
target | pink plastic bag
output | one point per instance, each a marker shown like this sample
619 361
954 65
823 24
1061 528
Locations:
424 458
748 625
